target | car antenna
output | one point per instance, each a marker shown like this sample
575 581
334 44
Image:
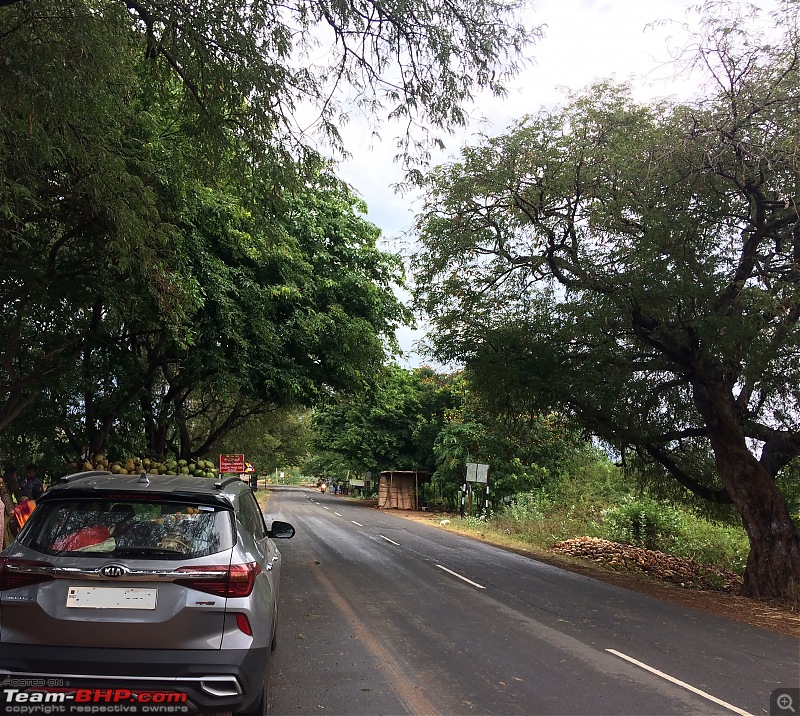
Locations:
143 479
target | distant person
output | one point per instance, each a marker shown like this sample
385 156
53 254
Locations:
6 514
31 485
12 483
21 514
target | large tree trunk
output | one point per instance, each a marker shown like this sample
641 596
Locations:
773 565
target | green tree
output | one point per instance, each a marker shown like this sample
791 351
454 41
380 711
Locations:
392 425
77 200
256 66
524 451
423 420
322 463
290 300
638 267
114 110
372 430
279 439
297 302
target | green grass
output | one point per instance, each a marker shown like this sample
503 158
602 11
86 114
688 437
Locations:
538 520
683 534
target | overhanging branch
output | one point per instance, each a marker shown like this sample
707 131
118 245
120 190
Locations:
720 497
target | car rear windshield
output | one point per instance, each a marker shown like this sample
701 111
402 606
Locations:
133 528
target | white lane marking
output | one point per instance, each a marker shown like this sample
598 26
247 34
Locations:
356 523
339 514
456 574
390 540
689 687
327 508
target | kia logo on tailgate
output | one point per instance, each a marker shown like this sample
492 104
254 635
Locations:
113 570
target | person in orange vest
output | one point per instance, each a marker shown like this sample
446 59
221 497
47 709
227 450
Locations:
22 512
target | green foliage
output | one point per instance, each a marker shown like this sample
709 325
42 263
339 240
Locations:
587 477
272 440
541 520
245 65
385 427
421 420
325 463
523 450
266 288
789 483
710 542
642 523
634 268
476 522
528 506
176 259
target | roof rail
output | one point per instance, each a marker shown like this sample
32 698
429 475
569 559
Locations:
224 481
81 475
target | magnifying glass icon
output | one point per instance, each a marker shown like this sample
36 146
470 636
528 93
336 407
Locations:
785 703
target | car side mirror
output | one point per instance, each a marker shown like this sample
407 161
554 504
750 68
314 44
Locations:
280 530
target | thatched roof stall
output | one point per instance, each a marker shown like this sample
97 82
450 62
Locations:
399 489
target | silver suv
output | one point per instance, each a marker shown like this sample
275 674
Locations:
157 589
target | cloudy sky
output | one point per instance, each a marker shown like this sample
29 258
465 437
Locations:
584 40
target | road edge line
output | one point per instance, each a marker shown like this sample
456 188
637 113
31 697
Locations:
683 684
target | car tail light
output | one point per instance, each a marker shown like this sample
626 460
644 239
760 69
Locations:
16 573
223 581
244 624
243 578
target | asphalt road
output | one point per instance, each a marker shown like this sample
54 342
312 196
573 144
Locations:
381 615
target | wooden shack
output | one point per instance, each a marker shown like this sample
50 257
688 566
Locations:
399 489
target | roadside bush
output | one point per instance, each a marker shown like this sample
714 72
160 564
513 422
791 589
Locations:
527 506
476 522
643 522
590 496
588 476
710 542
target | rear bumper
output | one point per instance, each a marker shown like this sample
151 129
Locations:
213 680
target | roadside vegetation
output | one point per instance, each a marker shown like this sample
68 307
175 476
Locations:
548 483
181 267
634 266
596 499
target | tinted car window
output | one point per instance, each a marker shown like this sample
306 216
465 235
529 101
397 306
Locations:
250 516
128 527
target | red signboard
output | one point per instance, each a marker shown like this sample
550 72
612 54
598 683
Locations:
231 463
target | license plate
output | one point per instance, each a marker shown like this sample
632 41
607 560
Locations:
111 598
